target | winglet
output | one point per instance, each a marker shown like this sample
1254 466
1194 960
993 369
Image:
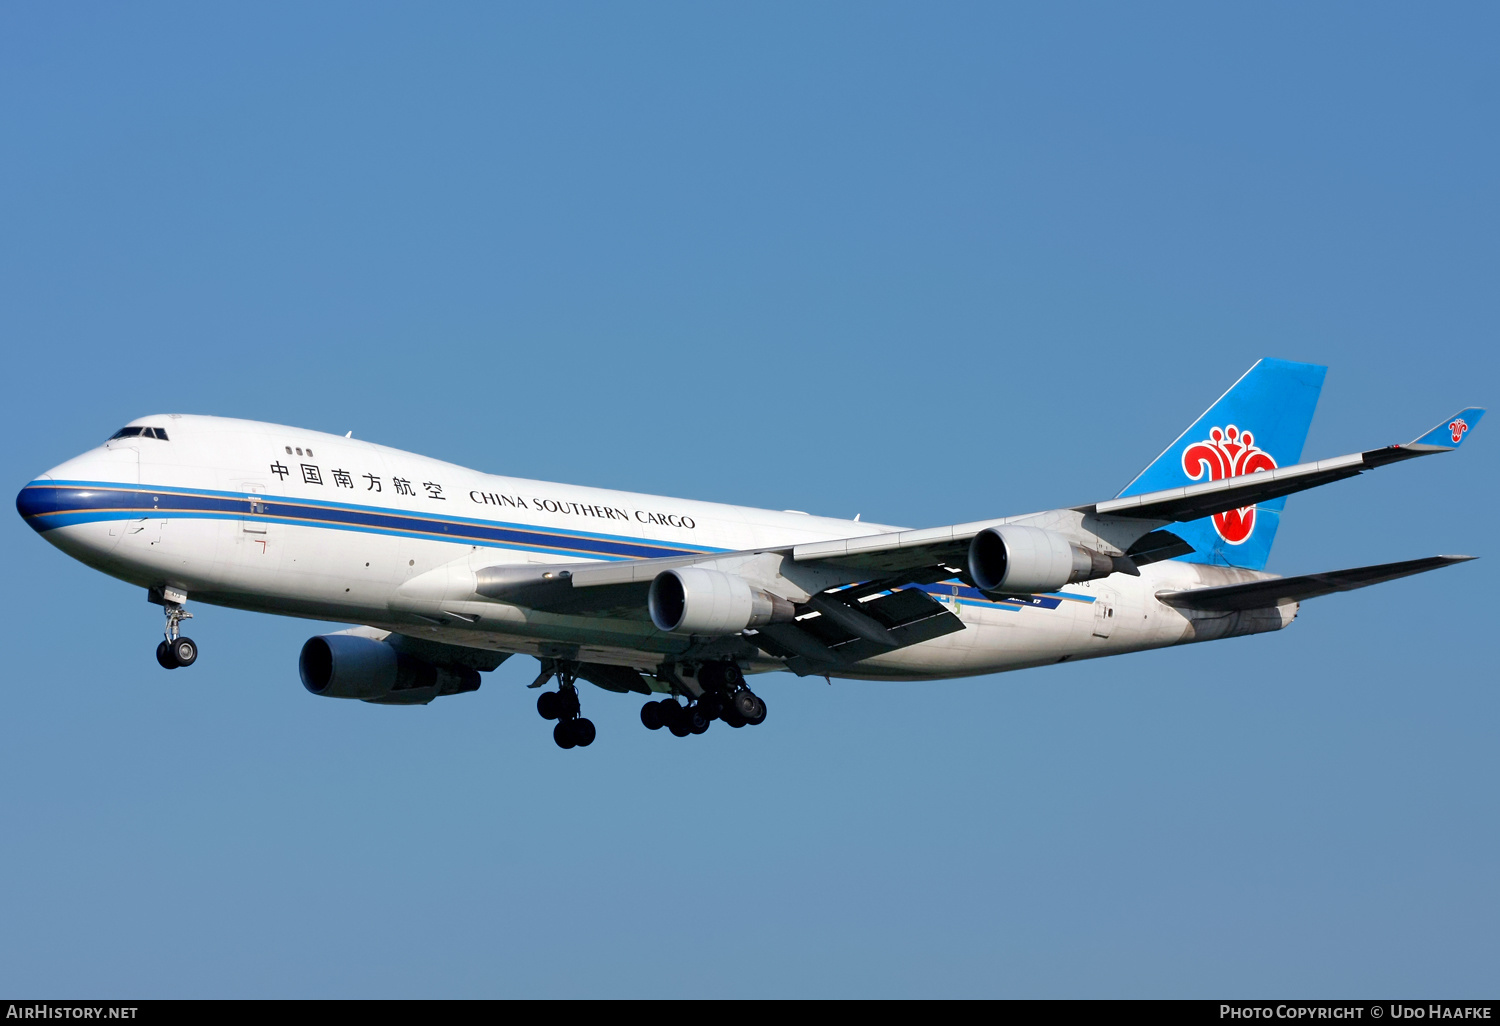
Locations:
1451 432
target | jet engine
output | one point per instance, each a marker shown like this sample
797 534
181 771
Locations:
349 666
1012 560
692 600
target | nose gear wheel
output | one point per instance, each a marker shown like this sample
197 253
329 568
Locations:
175 650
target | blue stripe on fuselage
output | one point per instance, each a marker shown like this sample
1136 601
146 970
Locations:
53 504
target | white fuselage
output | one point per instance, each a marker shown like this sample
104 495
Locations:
283 520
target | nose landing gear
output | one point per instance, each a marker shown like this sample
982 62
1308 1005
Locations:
562 705
174 650
172 654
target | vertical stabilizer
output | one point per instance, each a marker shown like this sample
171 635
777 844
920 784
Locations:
1259 424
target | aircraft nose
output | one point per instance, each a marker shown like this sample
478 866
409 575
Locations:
35 501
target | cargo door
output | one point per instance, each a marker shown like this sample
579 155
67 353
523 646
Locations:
1104 615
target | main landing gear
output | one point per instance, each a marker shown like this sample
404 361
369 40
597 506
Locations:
725 697
562 705
174 650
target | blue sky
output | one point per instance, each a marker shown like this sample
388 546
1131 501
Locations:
921 263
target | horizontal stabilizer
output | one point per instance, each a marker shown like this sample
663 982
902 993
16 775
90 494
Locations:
1280 590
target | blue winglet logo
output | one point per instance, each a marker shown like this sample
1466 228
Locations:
1451 433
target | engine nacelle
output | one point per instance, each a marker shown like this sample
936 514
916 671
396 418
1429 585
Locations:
349 666
692 600
1013 560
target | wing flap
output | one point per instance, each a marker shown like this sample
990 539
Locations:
1282 590
1156 546
812 644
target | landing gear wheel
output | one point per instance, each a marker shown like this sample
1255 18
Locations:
651 716
732 716
583 732
745 703
185 651
562 705
760 713
175 650
676 719
711 706
696 720
721 676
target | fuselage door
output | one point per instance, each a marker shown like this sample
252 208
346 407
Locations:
253 521
1104 615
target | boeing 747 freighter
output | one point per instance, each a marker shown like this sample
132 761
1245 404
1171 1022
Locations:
449 571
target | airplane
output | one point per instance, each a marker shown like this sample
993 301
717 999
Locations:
448 571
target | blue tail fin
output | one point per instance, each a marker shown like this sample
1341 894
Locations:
1260 423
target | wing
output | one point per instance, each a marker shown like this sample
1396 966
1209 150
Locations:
891 553
1260 594
1196 501
853 597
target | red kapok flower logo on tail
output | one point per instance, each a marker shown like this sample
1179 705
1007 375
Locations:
1228 453
1458 427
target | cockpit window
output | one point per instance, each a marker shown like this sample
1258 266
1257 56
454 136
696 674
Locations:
125 432
160 433
139 432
